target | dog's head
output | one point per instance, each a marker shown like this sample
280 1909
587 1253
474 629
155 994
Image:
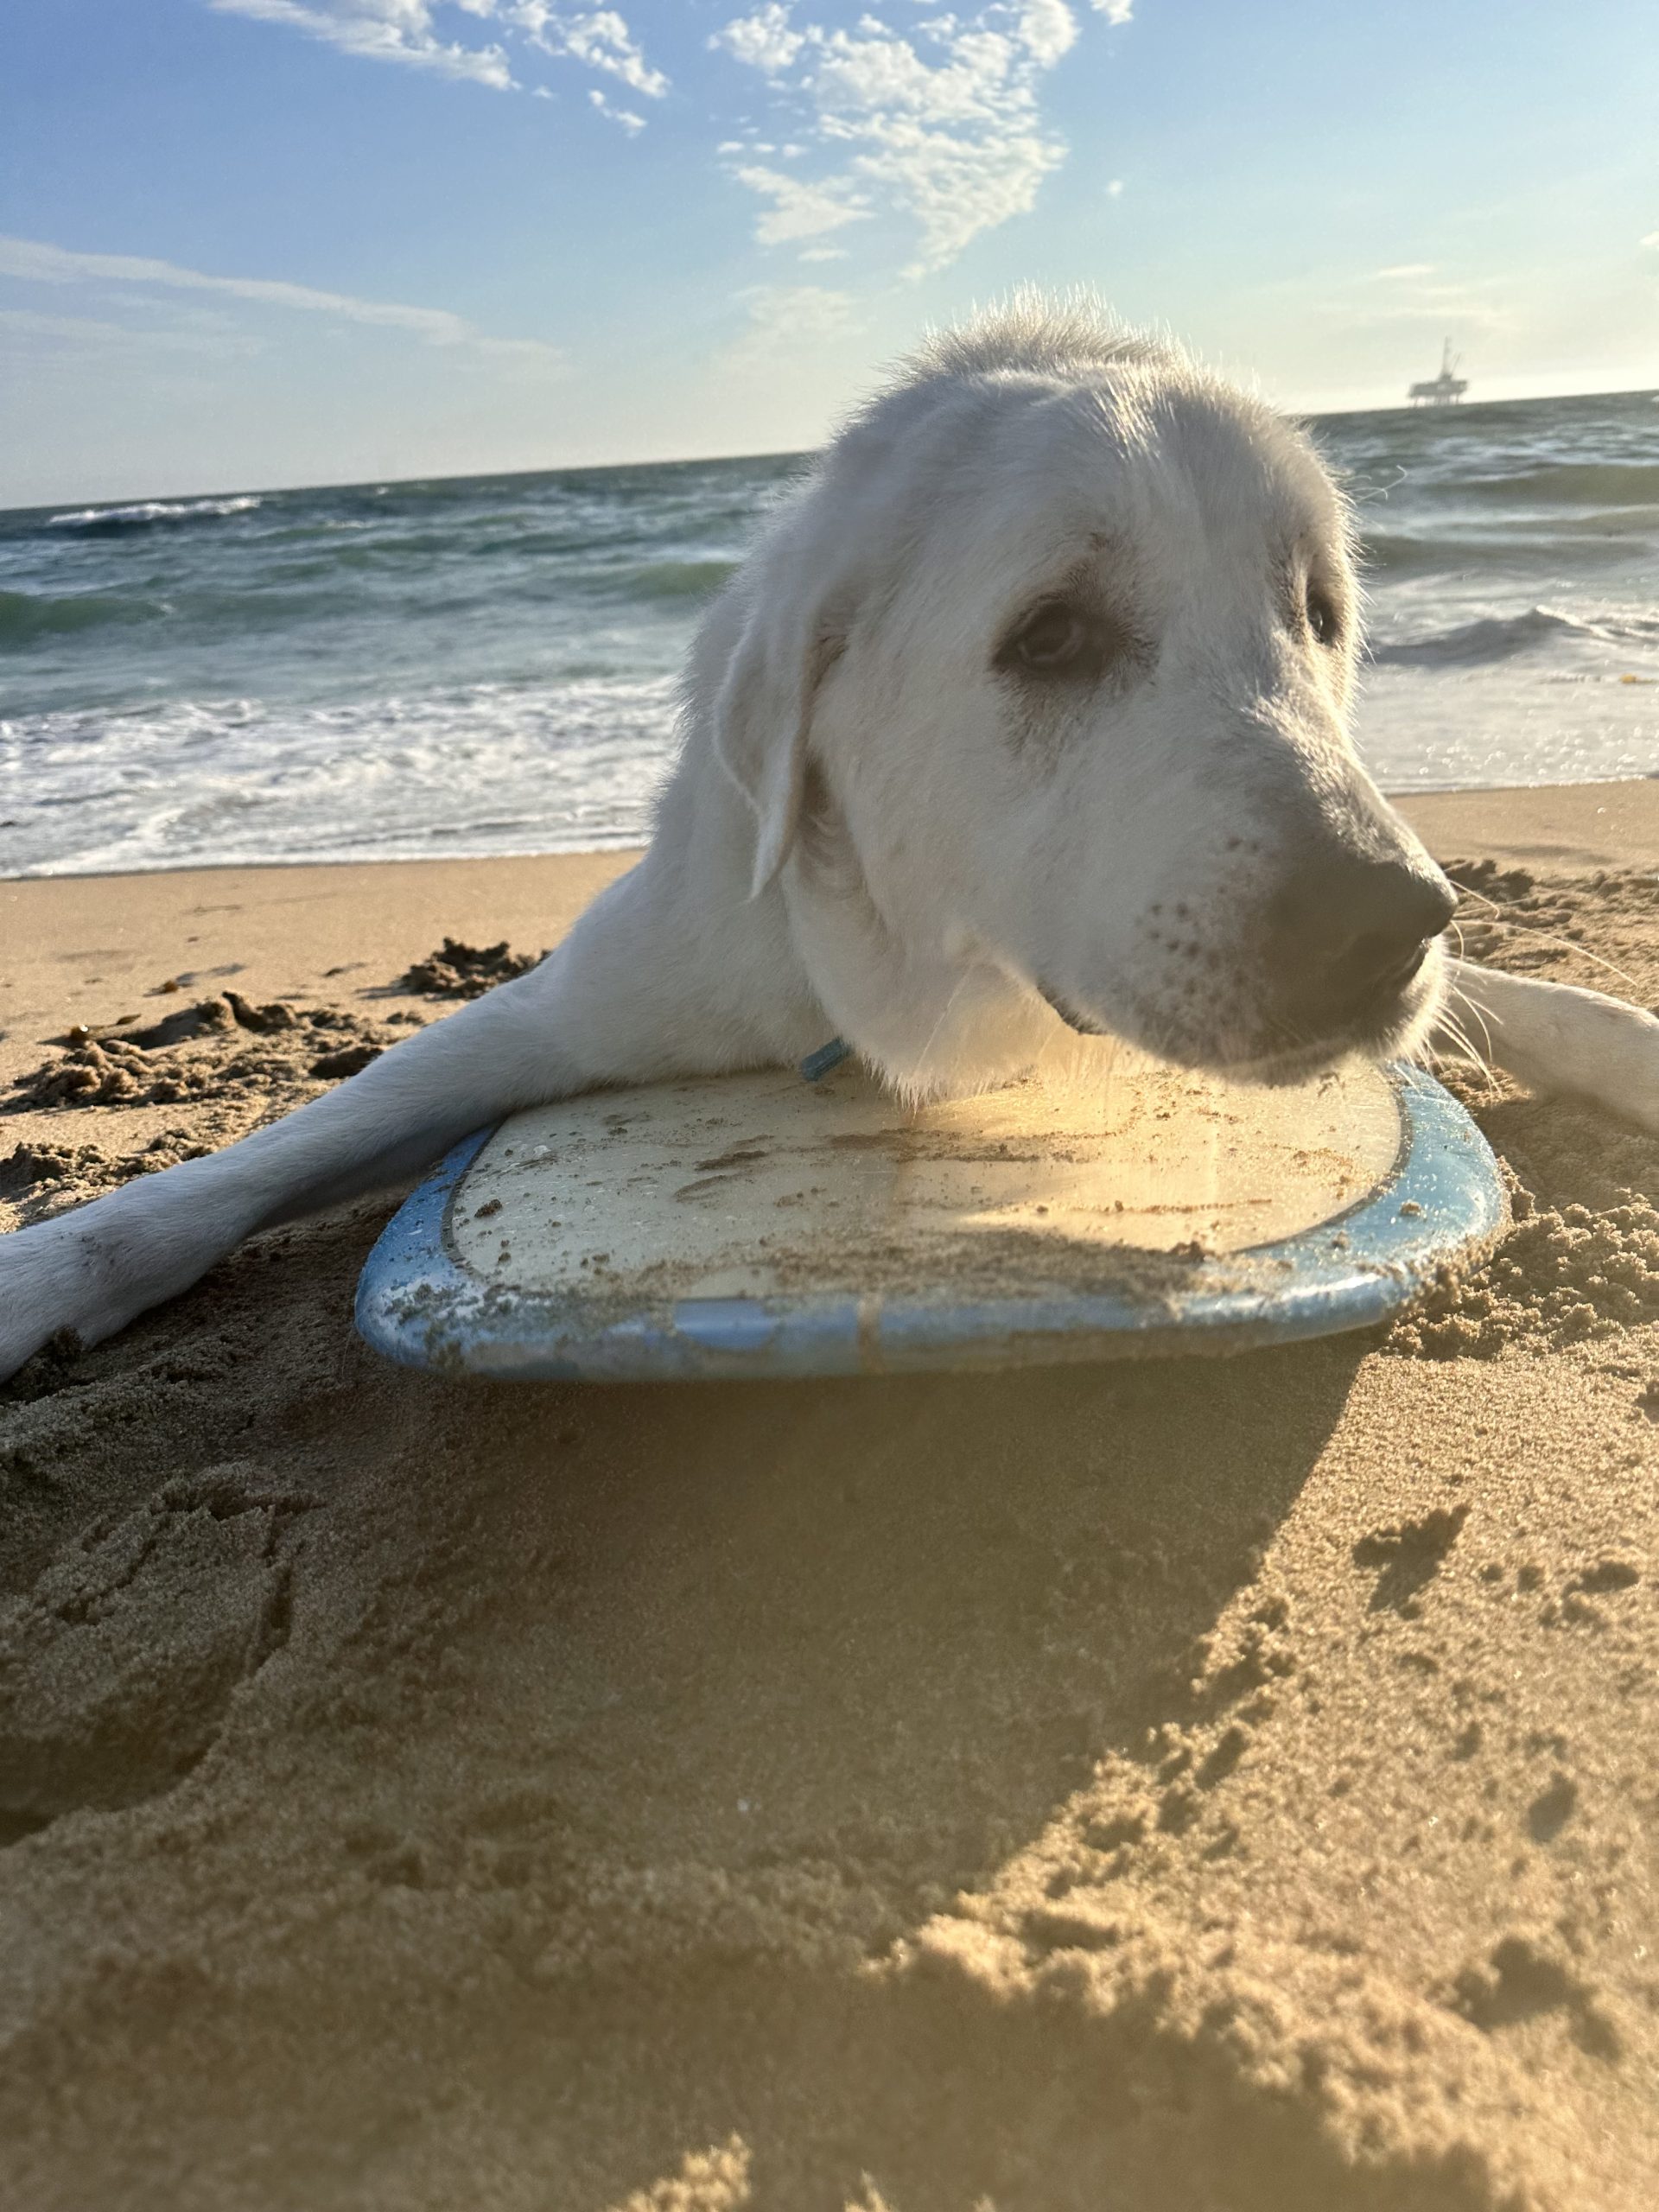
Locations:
1051 665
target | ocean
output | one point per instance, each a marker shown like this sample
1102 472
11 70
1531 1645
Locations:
486 664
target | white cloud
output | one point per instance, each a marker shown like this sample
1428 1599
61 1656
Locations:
939 125
1047 30
604 41
764 40
383 31
30 260
1401 271
632 124
942 127
407 31
799 210
873 73
1115 189
1651 239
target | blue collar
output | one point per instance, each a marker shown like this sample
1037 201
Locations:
827 1057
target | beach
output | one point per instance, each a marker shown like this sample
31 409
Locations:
1223 1783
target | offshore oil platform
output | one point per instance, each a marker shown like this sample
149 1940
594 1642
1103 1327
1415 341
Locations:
1443 391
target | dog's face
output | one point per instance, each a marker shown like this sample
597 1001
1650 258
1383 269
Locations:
1080 706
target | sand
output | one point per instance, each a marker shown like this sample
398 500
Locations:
1205 1786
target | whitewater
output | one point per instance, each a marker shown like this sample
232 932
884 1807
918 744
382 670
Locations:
486 665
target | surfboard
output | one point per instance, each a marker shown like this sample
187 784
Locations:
769 1223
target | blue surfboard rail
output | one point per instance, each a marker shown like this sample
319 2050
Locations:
1441 1201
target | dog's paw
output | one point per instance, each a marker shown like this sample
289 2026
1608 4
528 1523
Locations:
1558 1038
37 1294
1610 1053
45 1291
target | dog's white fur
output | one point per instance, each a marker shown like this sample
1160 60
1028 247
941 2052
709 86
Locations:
879 827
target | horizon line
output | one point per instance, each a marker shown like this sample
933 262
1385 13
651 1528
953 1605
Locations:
700 461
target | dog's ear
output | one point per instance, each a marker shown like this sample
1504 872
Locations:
763 716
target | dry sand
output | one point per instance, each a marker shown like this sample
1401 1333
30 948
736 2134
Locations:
1222 1785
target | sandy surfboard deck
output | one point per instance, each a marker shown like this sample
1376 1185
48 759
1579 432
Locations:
763 1224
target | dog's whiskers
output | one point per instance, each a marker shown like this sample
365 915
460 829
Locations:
1453 1025
1499 920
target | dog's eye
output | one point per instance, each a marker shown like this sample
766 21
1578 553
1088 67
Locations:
1323 618
1053 639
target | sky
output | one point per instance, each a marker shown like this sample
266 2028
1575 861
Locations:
250 243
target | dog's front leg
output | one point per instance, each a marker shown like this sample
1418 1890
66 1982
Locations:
624 997
1556 1037
94 1269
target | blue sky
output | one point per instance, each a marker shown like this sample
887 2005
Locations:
258 242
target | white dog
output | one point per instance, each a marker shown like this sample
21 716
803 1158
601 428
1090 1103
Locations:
1032 706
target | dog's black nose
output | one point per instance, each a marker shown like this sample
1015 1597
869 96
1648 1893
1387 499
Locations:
1348 931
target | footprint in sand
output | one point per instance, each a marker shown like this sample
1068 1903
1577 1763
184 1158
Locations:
117 1668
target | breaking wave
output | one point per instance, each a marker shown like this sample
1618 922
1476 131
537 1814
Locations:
482 768
146 514
1497 637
